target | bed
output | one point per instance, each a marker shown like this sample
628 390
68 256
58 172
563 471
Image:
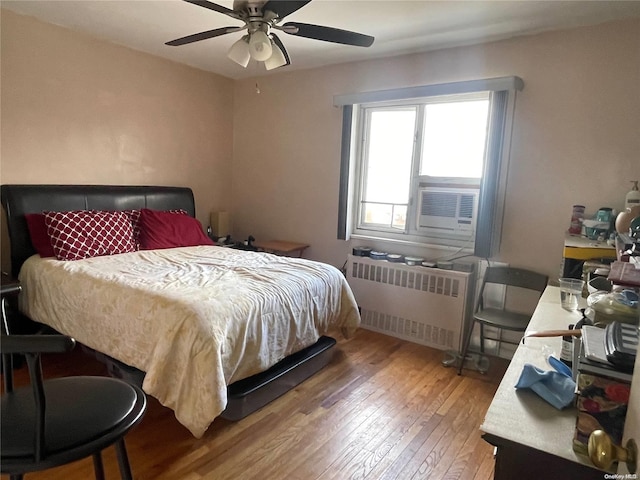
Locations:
202 323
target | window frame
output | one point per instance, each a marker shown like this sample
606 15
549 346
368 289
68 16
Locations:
361 160
493 185
416 182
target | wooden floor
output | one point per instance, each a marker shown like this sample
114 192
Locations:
382 409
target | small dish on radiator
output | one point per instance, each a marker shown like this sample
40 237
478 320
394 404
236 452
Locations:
361 251
413 260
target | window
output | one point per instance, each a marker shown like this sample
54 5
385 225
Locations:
454 136
408 146
386 163
427 169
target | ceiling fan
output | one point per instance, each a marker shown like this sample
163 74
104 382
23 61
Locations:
261 18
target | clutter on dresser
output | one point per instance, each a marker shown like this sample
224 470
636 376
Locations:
600 226
577 217
581 256
624 219
555 386
632 199
620 305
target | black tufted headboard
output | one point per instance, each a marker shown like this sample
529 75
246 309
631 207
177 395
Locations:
17 200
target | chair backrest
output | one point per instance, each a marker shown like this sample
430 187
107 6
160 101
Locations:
32 346
515 277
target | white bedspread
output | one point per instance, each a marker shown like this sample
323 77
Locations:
195 319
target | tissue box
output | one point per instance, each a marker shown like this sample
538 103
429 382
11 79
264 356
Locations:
602 405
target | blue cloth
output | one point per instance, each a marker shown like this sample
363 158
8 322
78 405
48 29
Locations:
555 386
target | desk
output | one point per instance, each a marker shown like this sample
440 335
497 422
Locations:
533 439
281 247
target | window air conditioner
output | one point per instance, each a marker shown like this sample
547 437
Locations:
448 211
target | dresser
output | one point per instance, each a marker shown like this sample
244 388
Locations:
533 440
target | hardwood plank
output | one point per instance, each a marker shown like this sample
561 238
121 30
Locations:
382 409
485 471
448 449
413 423
388 429
466 465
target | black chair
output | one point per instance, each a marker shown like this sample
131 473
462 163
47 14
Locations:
502 318
58 421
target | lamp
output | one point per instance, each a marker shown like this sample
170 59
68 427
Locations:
260 46
277 58
239 52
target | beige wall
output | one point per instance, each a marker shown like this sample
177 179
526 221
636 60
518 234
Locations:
576 137
78 110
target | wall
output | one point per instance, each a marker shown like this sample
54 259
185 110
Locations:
575 138
80 110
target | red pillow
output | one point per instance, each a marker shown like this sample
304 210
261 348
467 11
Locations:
134 216
167 230
39 236
84 233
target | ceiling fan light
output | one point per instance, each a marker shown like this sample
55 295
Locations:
239 52
260 46
276 59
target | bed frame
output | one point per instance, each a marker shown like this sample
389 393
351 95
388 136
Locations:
244 396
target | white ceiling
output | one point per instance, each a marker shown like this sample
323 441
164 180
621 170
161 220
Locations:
398 26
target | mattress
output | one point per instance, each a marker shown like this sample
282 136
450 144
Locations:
195 319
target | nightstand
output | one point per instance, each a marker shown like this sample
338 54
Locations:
282 247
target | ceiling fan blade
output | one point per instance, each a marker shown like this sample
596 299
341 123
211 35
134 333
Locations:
328 34
196 37
278 42
284 7
215 7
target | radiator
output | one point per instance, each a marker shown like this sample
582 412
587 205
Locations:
424 305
